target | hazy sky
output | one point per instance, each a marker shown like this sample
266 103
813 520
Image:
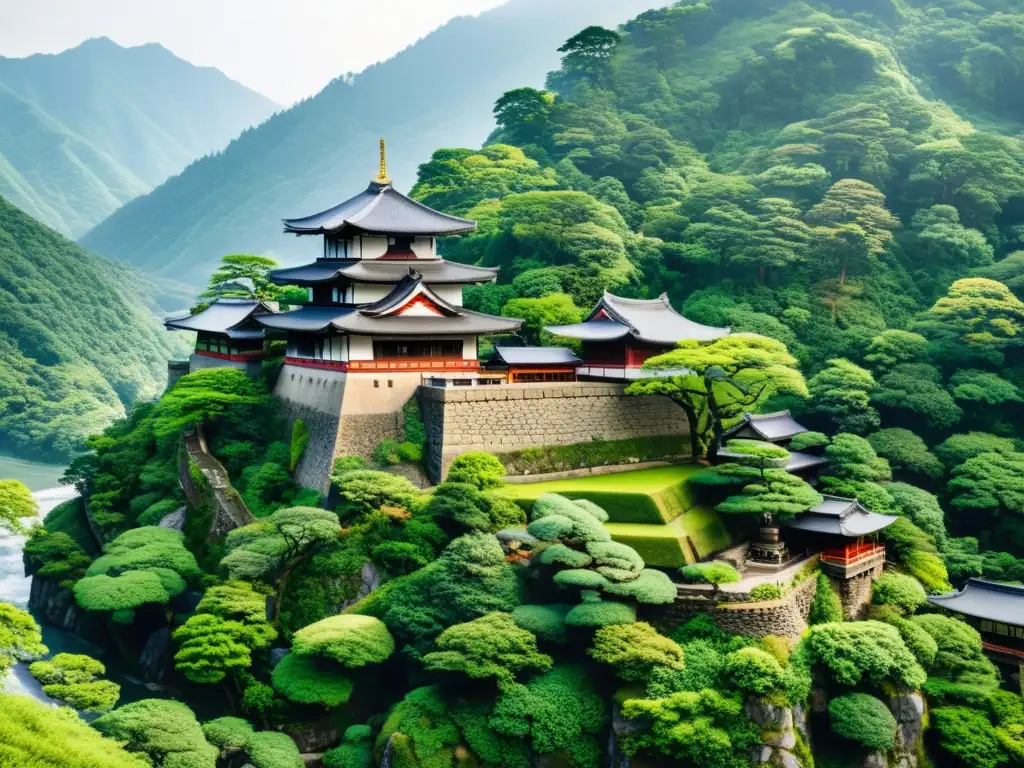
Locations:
285 49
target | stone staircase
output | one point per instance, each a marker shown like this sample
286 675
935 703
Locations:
214 488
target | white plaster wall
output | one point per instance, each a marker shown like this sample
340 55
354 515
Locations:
360 348
450 293
469 347
365 293
372 247
424 248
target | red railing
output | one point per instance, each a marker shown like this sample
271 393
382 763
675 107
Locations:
240 357
405 365
852 555
993 648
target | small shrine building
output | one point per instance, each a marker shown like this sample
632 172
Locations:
620 335
778 428
845 533
996 610
228 334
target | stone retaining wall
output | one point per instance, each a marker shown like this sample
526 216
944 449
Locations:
855 593
785 617
512 417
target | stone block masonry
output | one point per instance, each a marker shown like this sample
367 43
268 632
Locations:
785 617
512 417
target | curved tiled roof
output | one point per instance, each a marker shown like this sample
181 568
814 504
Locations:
841 517
770 426
434 271
224 316
536 356
984 599
383 210
650 320
380 317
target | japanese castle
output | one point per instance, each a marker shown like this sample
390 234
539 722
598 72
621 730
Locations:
380 298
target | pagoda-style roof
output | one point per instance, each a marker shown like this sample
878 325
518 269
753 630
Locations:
841 517
771 427
653 321
540 356
380 210
798 461
233 318
411 309
982 599
434 271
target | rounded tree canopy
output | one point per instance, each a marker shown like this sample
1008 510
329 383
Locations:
305 680
349 639
862 718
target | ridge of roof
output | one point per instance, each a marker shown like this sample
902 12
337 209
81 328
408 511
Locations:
358 210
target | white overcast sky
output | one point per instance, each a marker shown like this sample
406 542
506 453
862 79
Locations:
285 49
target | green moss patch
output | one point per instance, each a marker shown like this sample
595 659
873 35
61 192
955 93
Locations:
646 496
693 535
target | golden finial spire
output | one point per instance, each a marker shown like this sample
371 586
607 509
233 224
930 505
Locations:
382 177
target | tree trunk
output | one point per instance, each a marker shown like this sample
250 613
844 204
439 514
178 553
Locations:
716 420
693 423
842 275
760 274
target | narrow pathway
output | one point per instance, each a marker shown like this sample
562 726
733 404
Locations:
228 500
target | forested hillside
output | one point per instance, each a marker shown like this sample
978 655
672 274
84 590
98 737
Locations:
818 175
88 129
436 93
77 343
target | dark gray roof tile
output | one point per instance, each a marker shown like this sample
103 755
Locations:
536 355
231 317
985 600
382 210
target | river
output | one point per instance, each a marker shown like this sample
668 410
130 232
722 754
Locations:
43 481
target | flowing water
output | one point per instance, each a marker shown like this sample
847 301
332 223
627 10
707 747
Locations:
42 480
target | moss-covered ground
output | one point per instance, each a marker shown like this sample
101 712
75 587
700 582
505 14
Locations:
651 510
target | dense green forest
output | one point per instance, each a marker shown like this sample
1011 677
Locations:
323 149
88 129
842 185
78 343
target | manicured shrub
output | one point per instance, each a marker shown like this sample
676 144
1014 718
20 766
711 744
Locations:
351 640
763 592
344 464
229 734
897 589
600 614
20 637
754 671
920 643
959 657
363 491
310 680
55 555
547 622
710 573
864 652
36 734
355 751
489 647
164 731
154 513
635 650
703 728
968 736
864 719
560 711
477 468
73 678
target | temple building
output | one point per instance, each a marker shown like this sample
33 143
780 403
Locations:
536 365
845 533
620 335
380 298
778 428
996 611
228 334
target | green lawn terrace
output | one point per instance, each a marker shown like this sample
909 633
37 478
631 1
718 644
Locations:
652 510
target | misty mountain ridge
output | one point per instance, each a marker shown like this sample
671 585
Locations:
87 129
438 92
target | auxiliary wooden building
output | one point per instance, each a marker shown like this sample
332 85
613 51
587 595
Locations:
778 428
844 532
228 334
996 610
620 335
